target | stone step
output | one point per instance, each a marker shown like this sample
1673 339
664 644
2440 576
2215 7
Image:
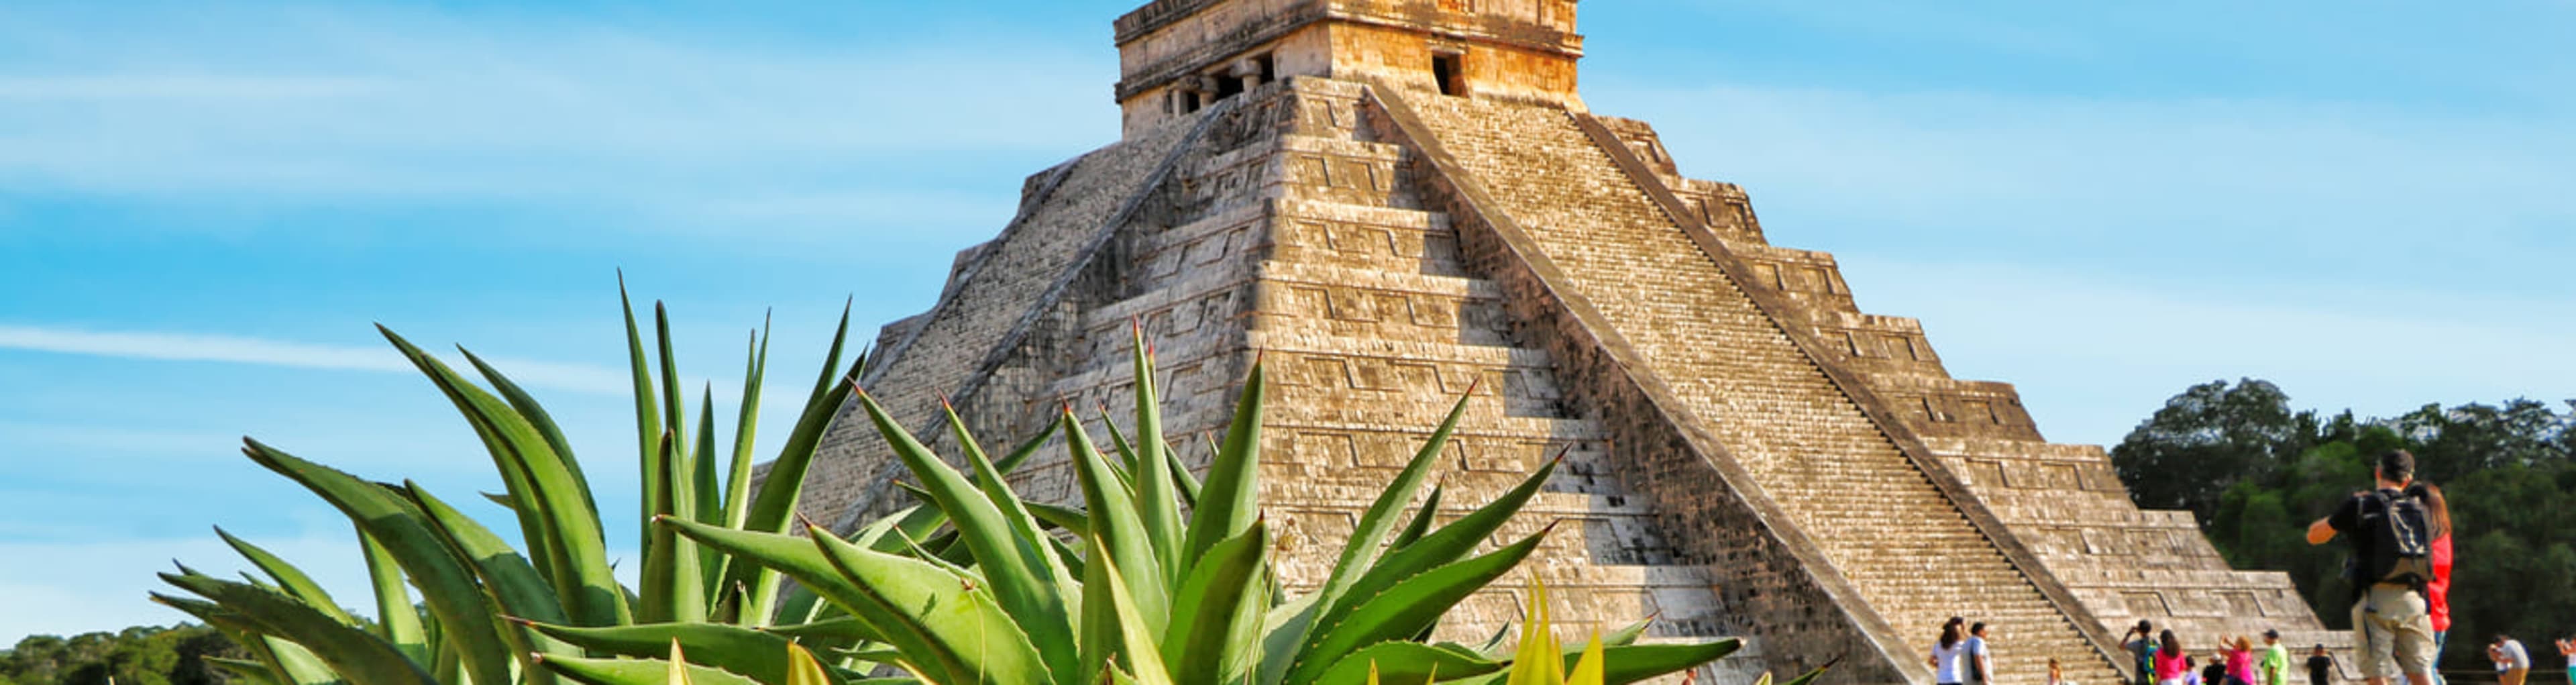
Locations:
1907 549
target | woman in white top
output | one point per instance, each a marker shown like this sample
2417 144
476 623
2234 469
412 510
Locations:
1945 655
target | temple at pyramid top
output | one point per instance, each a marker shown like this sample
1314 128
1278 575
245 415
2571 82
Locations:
1177 56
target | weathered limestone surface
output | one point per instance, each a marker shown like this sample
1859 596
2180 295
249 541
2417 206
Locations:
1747 453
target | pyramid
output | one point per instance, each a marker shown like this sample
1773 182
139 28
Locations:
1391 203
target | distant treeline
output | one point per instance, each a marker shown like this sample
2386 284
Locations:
142 655
2255 473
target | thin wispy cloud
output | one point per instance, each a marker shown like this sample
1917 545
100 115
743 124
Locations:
194 347
2377 352
333 104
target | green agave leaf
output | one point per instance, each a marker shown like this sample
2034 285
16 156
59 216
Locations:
1027 535
1068 518
671 587
300 665
508 581
241 631
633 671
955 620
243 671
396 619
556 511
1217 611
536 414
774 502
289 578
1360 554
672 402
1638 663
1408 662
355 654
1402 610
737 499
1230 501
706 495
1627 635
1156 499
920 609
648 421
1144 662
1118 535
1421 523
1811 676
1442 546
751 653
1182 478
837 633
1004 544
445 583
507 577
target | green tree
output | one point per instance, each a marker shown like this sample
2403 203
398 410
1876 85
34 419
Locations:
2208 438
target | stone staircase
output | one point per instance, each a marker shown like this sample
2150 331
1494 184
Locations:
1909 550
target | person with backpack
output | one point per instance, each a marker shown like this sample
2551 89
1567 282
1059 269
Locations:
2141 643
2392 563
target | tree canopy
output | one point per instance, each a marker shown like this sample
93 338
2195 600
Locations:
141 655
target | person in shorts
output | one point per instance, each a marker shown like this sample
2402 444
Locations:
2512 662
2391 621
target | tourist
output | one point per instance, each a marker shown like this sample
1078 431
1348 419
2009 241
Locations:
2567 650
2172 666
2320 666
2437 593
2275 667
2393 630
2512 662
2057 674
2141 643
2240 661
1945 656
1981 664
2216 672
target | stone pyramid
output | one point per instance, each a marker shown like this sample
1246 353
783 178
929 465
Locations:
1393 202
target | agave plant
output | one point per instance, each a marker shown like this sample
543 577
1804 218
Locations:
1161 578
478 595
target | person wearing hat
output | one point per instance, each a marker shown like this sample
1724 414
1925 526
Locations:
2275 668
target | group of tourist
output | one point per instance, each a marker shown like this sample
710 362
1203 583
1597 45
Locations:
2161 660
2401 614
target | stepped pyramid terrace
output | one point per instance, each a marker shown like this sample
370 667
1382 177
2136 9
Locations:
1391 203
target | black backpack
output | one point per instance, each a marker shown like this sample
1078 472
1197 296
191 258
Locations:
2401 536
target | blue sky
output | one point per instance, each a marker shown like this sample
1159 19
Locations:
202 211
